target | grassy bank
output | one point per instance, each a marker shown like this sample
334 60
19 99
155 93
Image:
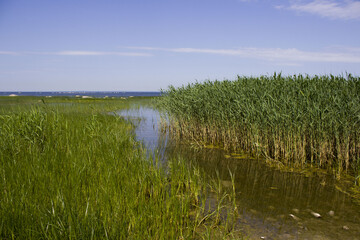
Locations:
299 120
68 169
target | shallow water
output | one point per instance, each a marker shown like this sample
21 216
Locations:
266 196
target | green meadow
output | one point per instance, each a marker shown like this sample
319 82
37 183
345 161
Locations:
71 169
297 120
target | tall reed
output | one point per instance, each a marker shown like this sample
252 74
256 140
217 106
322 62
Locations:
298 119
74 171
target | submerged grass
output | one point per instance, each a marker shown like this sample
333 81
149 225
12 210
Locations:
298 120
72 171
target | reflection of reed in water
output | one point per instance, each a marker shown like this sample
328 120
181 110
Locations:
162 140
266 196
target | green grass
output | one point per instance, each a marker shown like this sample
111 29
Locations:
70 170
299 120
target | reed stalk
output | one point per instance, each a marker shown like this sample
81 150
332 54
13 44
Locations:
74 171
301 119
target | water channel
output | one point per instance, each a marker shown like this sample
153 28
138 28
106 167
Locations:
273 204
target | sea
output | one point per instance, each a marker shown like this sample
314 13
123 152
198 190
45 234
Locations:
94 94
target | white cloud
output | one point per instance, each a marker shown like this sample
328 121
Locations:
346 10
80 53
289 55
92 53
7 53
272 54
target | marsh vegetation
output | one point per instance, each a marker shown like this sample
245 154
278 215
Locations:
71 170
272 203
296 120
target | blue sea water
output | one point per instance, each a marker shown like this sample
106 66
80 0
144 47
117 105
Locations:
84 93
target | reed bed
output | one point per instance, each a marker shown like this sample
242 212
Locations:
73 171
300 120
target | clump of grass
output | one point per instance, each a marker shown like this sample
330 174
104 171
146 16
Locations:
74 171
300 120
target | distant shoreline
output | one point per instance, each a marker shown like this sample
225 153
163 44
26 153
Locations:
82 93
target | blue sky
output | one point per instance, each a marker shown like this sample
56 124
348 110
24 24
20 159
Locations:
143 45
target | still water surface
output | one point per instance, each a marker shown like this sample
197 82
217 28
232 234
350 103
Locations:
266 196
